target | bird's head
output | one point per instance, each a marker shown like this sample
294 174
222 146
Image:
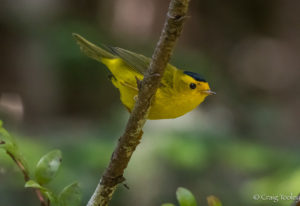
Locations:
192 84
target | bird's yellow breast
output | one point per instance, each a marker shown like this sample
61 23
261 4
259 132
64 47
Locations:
166 107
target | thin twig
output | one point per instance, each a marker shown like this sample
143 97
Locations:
20 165
133 132
27 178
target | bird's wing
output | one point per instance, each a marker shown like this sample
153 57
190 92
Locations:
137 62
92 50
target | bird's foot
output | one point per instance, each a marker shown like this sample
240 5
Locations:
138 83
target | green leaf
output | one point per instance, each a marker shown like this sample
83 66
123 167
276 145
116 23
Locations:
6 141
185 197
71 195
2 144
213 201
46 192
48 166
34 184
168 204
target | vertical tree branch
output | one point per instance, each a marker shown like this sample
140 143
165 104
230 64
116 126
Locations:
131 138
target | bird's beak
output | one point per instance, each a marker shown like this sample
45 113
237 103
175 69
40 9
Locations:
209 92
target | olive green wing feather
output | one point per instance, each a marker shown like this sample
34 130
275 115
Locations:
140 64
137 62
91 50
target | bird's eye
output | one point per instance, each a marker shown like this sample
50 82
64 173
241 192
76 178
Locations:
193 86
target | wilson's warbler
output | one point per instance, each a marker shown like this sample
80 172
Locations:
179 92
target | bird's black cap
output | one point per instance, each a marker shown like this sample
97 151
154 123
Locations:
195 76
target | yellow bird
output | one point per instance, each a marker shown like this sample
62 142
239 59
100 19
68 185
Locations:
179 92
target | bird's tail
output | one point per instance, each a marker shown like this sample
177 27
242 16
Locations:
91 50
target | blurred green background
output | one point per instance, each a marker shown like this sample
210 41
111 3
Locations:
241 142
